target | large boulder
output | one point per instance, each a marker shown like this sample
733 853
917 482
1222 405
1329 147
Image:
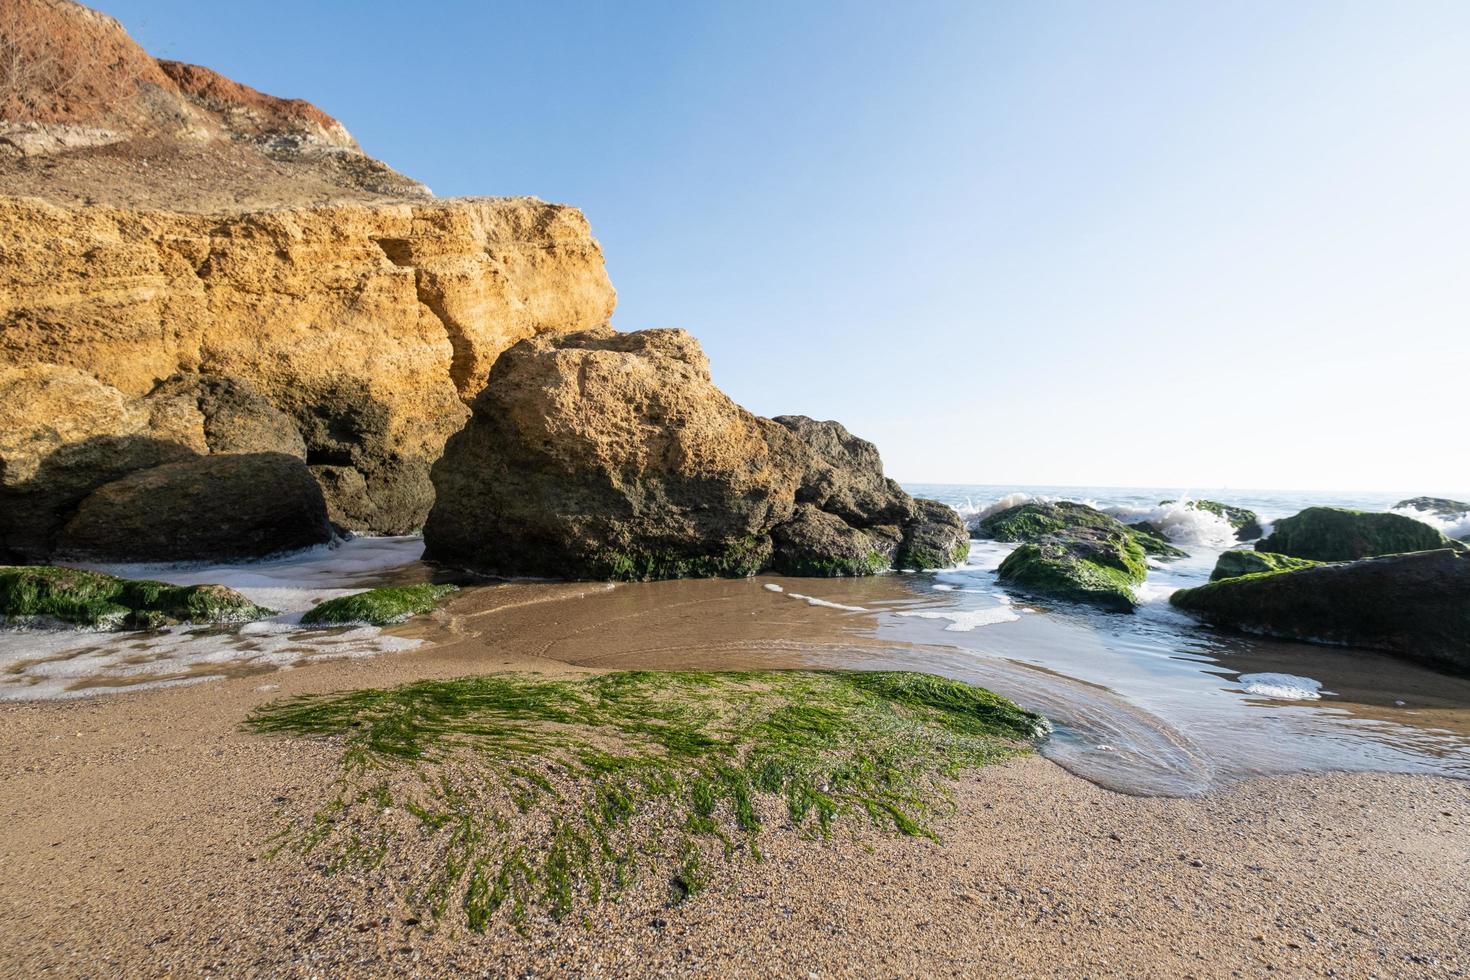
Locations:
1414 605
1098 568
209 507
1233 564
613 455
1339 534
1070 551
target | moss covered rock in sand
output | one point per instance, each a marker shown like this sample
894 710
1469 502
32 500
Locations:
1233 564
1415 605
1339 534
378 607
43 594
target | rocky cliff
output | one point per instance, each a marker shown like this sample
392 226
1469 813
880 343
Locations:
364 321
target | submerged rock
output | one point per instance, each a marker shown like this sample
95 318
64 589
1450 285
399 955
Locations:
49 594
1415 605
1438 506
1070 551
1339 534
1247 525
1233 564
613 455
210 507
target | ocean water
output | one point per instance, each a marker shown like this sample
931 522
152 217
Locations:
1151 703
1222 706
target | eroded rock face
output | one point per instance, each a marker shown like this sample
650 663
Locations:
225 271
1414 605
608 455
366 326
208 507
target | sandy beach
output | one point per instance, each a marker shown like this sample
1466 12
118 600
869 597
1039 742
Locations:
135 828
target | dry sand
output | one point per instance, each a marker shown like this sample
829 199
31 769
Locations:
134 826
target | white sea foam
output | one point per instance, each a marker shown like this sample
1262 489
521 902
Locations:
1281 687
1180 522
38 663
814 601
1451 525
965 620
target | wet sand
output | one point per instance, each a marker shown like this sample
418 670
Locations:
134 827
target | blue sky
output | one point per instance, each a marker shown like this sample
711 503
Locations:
1178 244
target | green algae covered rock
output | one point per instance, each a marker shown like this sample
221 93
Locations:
1339 534
1154 542
1414 605
1033 521
1247 525
1099 568
49 594
1233 564
378 607
1071 551
935 537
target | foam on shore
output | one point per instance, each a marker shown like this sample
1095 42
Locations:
65 663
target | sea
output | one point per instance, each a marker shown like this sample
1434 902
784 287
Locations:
1150 703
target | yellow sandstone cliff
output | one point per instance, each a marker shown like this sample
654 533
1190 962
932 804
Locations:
363 310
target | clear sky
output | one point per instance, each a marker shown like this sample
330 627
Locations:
1124 243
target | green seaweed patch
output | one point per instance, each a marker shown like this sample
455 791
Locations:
504 796
40 594
1233 564
832 566
378 607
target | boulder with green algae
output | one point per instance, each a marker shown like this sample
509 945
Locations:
378 607
45 594
1096 567
1247 525
1233 564
1339 534
1414 605
1037 521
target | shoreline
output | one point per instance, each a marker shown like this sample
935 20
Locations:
135 823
